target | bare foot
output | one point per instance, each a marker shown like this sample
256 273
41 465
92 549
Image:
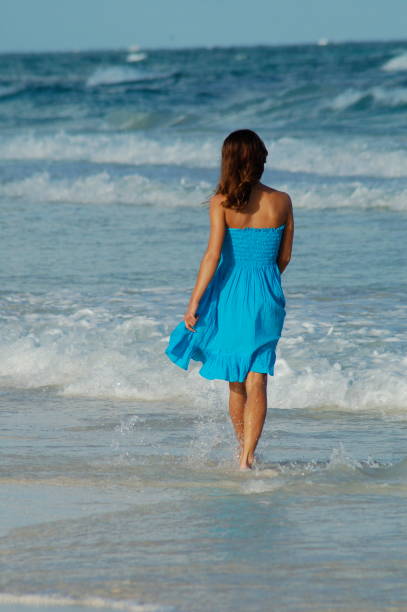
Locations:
246 464
244 468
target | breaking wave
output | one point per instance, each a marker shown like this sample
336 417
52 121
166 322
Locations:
334 158
393 97
114 75
45 601
108 351
102 188
134 189
399 62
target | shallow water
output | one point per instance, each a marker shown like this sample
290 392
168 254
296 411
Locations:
118 481
138 502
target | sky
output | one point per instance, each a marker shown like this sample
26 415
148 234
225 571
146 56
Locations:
42 25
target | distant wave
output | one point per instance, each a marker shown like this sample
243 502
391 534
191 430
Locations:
338 157
44 601
10 91
114 75
132 119
335 157
135 190
346 99
399 62
136 57
391 97
354 195
101 188
123 148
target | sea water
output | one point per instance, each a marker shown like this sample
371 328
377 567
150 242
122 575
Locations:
119 483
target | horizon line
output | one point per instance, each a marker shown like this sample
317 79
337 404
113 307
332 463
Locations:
322 42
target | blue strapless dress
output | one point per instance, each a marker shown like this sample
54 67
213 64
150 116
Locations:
241 313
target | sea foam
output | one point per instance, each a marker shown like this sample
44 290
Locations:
114 75
45 601
335 157
111 148
384 97
136 189
102 188
107 352
399 62
136 57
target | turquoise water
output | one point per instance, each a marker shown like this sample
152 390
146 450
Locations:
118 484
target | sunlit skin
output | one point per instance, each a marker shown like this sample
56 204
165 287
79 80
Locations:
267 207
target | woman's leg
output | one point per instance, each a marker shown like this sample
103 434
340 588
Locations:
254 416
237 401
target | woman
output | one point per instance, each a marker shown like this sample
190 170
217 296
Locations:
237 308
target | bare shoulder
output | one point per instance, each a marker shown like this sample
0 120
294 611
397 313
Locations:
216 200
279 200
284 196
279 196
286 202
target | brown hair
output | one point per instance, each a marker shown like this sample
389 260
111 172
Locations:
243 157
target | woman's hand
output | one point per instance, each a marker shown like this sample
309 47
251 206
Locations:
209 261
190 317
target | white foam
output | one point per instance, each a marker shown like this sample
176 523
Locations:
267 480
322 384
354 194
111 148
399 62
40 601
114 75
352 157
101 188
88 353
135 189
261 486
346 99
92 352
394 96
136 57
387 97
332 158
340 458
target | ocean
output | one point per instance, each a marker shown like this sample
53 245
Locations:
119 487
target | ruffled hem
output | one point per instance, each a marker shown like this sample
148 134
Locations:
202 345
182 345
229 367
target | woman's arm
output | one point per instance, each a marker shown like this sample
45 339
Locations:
209 261
284 254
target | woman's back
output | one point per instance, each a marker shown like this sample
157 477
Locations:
267 207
